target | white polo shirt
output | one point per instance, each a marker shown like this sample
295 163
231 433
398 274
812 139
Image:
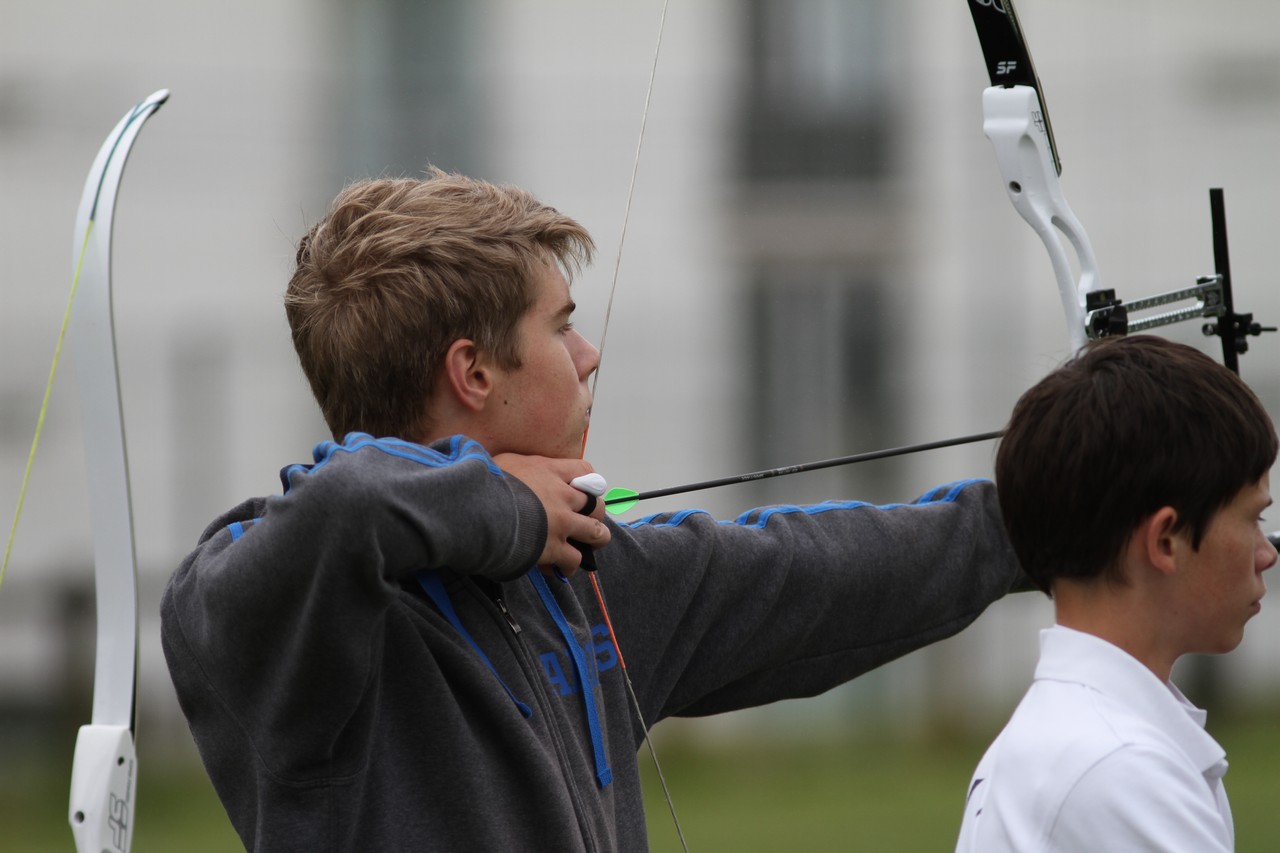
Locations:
1100 755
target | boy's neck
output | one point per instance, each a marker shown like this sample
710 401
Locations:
1121 615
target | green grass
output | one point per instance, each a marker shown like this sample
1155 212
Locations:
1253 780
874 794
885 794
177 809
869 793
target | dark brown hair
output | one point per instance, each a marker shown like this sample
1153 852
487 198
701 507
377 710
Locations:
1126 427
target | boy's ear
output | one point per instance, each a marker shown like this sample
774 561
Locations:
1158 540
467 374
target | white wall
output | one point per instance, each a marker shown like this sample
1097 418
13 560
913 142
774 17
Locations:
1152 103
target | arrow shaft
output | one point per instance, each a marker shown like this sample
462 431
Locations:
810 466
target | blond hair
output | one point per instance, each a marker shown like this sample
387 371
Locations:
397 271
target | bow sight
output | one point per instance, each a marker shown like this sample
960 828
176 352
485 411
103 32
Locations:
1016 120
1107 315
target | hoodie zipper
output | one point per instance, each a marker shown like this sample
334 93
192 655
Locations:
511 620
553 720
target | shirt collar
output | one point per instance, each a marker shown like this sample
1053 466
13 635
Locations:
1076 657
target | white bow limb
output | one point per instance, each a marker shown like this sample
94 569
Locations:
104 771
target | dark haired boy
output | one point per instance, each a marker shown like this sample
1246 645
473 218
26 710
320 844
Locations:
1132 480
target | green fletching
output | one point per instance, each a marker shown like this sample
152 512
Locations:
618 501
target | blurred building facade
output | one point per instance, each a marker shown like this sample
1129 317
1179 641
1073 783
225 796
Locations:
818 259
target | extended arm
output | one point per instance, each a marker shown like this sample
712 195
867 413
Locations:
791 601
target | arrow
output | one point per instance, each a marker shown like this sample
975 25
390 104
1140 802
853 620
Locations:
619 500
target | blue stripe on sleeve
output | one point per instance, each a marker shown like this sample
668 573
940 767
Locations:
760 516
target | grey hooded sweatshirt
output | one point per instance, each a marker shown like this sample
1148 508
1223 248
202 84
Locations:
368 663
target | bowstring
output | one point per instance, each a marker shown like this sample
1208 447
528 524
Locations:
631 192
595 380
44 405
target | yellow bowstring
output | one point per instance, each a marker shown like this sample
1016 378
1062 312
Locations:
44 404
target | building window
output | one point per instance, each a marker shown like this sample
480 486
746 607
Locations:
410 91
817 90
818 346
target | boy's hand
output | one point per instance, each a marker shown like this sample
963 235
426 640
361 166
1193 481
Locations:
550 480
